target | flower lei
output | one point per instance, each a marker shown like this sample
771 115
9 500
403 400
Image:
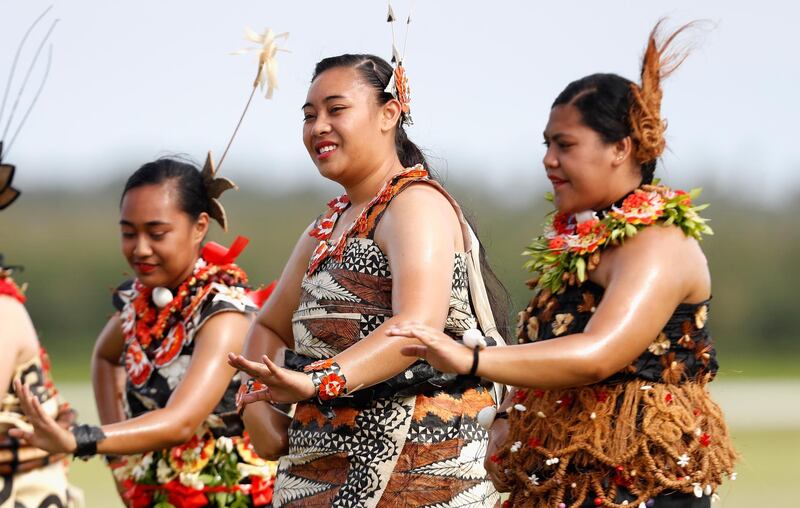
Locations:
569 247
200 472
158 333
323 230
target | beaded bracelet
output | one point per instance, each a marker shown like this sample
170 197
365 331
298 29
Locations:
329 382
249 386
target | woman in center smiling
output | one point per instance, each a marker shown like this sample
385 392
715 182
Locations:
372 427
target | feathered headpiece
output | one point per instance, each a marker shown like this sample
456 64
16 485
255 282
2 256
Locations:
398 84
9 194
266 77
660 59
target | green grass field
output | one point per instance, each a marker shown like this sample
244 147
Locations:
766 472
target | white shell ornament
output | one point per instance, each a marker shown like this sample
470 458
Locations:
486 417
474 338
161 297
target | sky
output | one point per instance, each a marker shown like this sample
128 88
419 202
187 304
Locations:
131 81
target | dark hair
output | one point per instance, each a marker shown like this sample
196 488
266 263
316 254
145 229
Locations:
193 197
377 73
604 102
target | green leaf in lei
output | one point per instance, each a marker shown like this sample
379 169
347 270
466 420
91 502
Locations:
561 255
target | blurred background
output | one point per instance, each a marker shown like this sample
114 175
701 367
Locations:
137 80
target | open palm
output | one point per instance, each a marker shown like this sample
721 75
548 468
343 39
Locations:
283 385
47 434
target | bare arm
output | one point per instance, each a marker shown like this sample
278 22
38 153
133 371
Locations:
419 234
270 334
17 337
108 376
272 330
644 286
201 389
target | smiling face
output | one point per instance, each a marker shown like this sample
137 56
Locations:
345 130
585 171
159 240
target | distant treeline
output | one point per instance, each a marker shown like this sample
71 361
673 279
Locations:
68 243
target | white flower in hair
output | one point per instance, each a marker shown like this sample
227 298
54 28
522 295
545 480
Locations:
267 75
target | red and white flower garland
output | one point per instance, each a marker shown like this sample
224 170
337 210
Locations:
162 332
323 230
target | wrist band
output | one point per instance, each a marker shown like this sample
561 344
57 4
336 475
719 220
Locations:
249 386
474 369
474 339
86 438
329 382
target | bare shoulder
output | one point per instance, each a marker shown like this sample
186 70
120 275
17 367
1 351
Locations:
306 241
660 250
422 206
224 326
17 326
303 248
662 241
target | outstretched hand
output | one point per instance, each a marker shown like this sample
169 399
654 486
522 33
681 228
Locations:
283 385
47 433
436 348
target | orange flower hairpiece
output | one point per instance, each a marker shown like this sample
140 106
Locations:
398 84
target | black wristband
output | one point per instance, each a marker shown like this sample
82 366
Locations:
474 368
86 438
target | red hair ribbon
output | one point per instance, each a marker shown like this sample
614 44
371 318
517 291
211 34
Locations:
260 296
219 255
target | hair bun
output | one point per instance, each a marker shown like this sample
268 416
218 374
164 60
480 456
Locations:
660 59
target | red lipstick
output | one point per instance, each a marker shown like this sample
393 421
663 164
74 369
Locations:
144 268
325 149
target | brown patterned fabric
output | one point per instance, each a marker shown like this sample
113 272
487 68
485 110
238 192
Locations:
423 449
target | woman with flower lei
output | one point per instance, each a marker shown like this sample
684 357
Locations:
371 427
610 406
171 434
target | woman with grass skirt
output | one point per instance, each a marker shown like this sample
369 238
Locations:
611 406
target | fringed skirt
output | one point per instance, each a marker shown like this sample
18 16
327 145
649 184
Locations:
601 445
